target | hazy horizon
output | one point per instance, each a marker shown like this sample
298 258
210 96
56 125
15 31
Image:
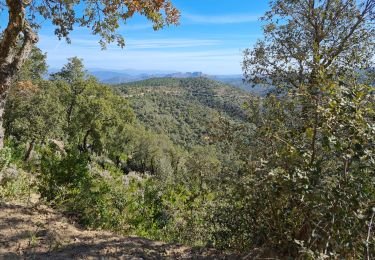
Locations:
131 71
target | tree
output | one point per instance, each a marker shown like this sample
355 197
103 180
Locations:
91 109
72 72
306 40
102 17
74 75
34 68
33 114
73 108
283 201
26 98
312 153
310 44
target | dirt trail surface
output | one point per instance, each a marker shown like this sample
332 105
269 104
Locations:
39 232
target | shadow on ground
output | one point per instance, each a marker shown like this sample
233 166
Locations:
39 232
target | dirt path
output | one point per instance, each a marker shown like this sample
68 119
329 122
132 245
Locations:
39 232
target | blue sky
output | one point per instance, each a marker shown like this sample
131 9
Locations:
210 38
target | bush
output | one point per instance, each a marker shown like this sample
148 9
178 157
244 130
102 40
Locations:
16 185
304 200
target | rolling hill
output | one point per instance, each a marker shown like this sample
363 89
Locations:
185 109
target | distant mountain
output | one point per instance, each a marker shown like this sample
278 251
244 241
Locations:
237 81
109 77
118 78
182 75
123 76
100 74
114 77
234 80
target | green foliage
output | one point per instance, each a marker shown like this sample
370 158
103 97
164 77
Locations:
95 197
15 184
312 156
102 197
314 188
92 111
184 109
5 158
34 68
73 73
33 112
73 108
302 39
103 18
289 173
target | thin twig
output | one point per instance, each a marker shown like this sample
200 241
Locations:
369 234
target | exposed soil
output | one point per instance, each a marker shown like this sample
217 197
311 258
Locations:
38 232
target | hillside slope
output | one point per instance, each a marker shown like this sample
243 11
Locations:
39 232
185 109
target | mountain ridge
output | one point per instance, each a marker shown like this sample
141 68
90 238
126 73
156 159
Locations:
116 77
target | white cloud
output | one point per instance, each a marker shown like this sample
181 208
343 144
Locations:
131 43
170 43
225 61
213 57
221 19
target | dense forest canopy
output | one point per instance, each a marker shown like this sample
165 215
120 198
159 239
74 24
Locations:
188 110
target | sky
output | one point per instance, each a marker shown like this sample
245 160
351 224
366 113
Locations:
210 38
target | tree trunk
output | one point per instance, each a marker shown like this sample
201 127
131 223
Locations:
29 151
16 44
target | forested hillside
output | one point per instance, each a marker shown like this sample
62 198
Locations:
284 175
187 110
104 155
